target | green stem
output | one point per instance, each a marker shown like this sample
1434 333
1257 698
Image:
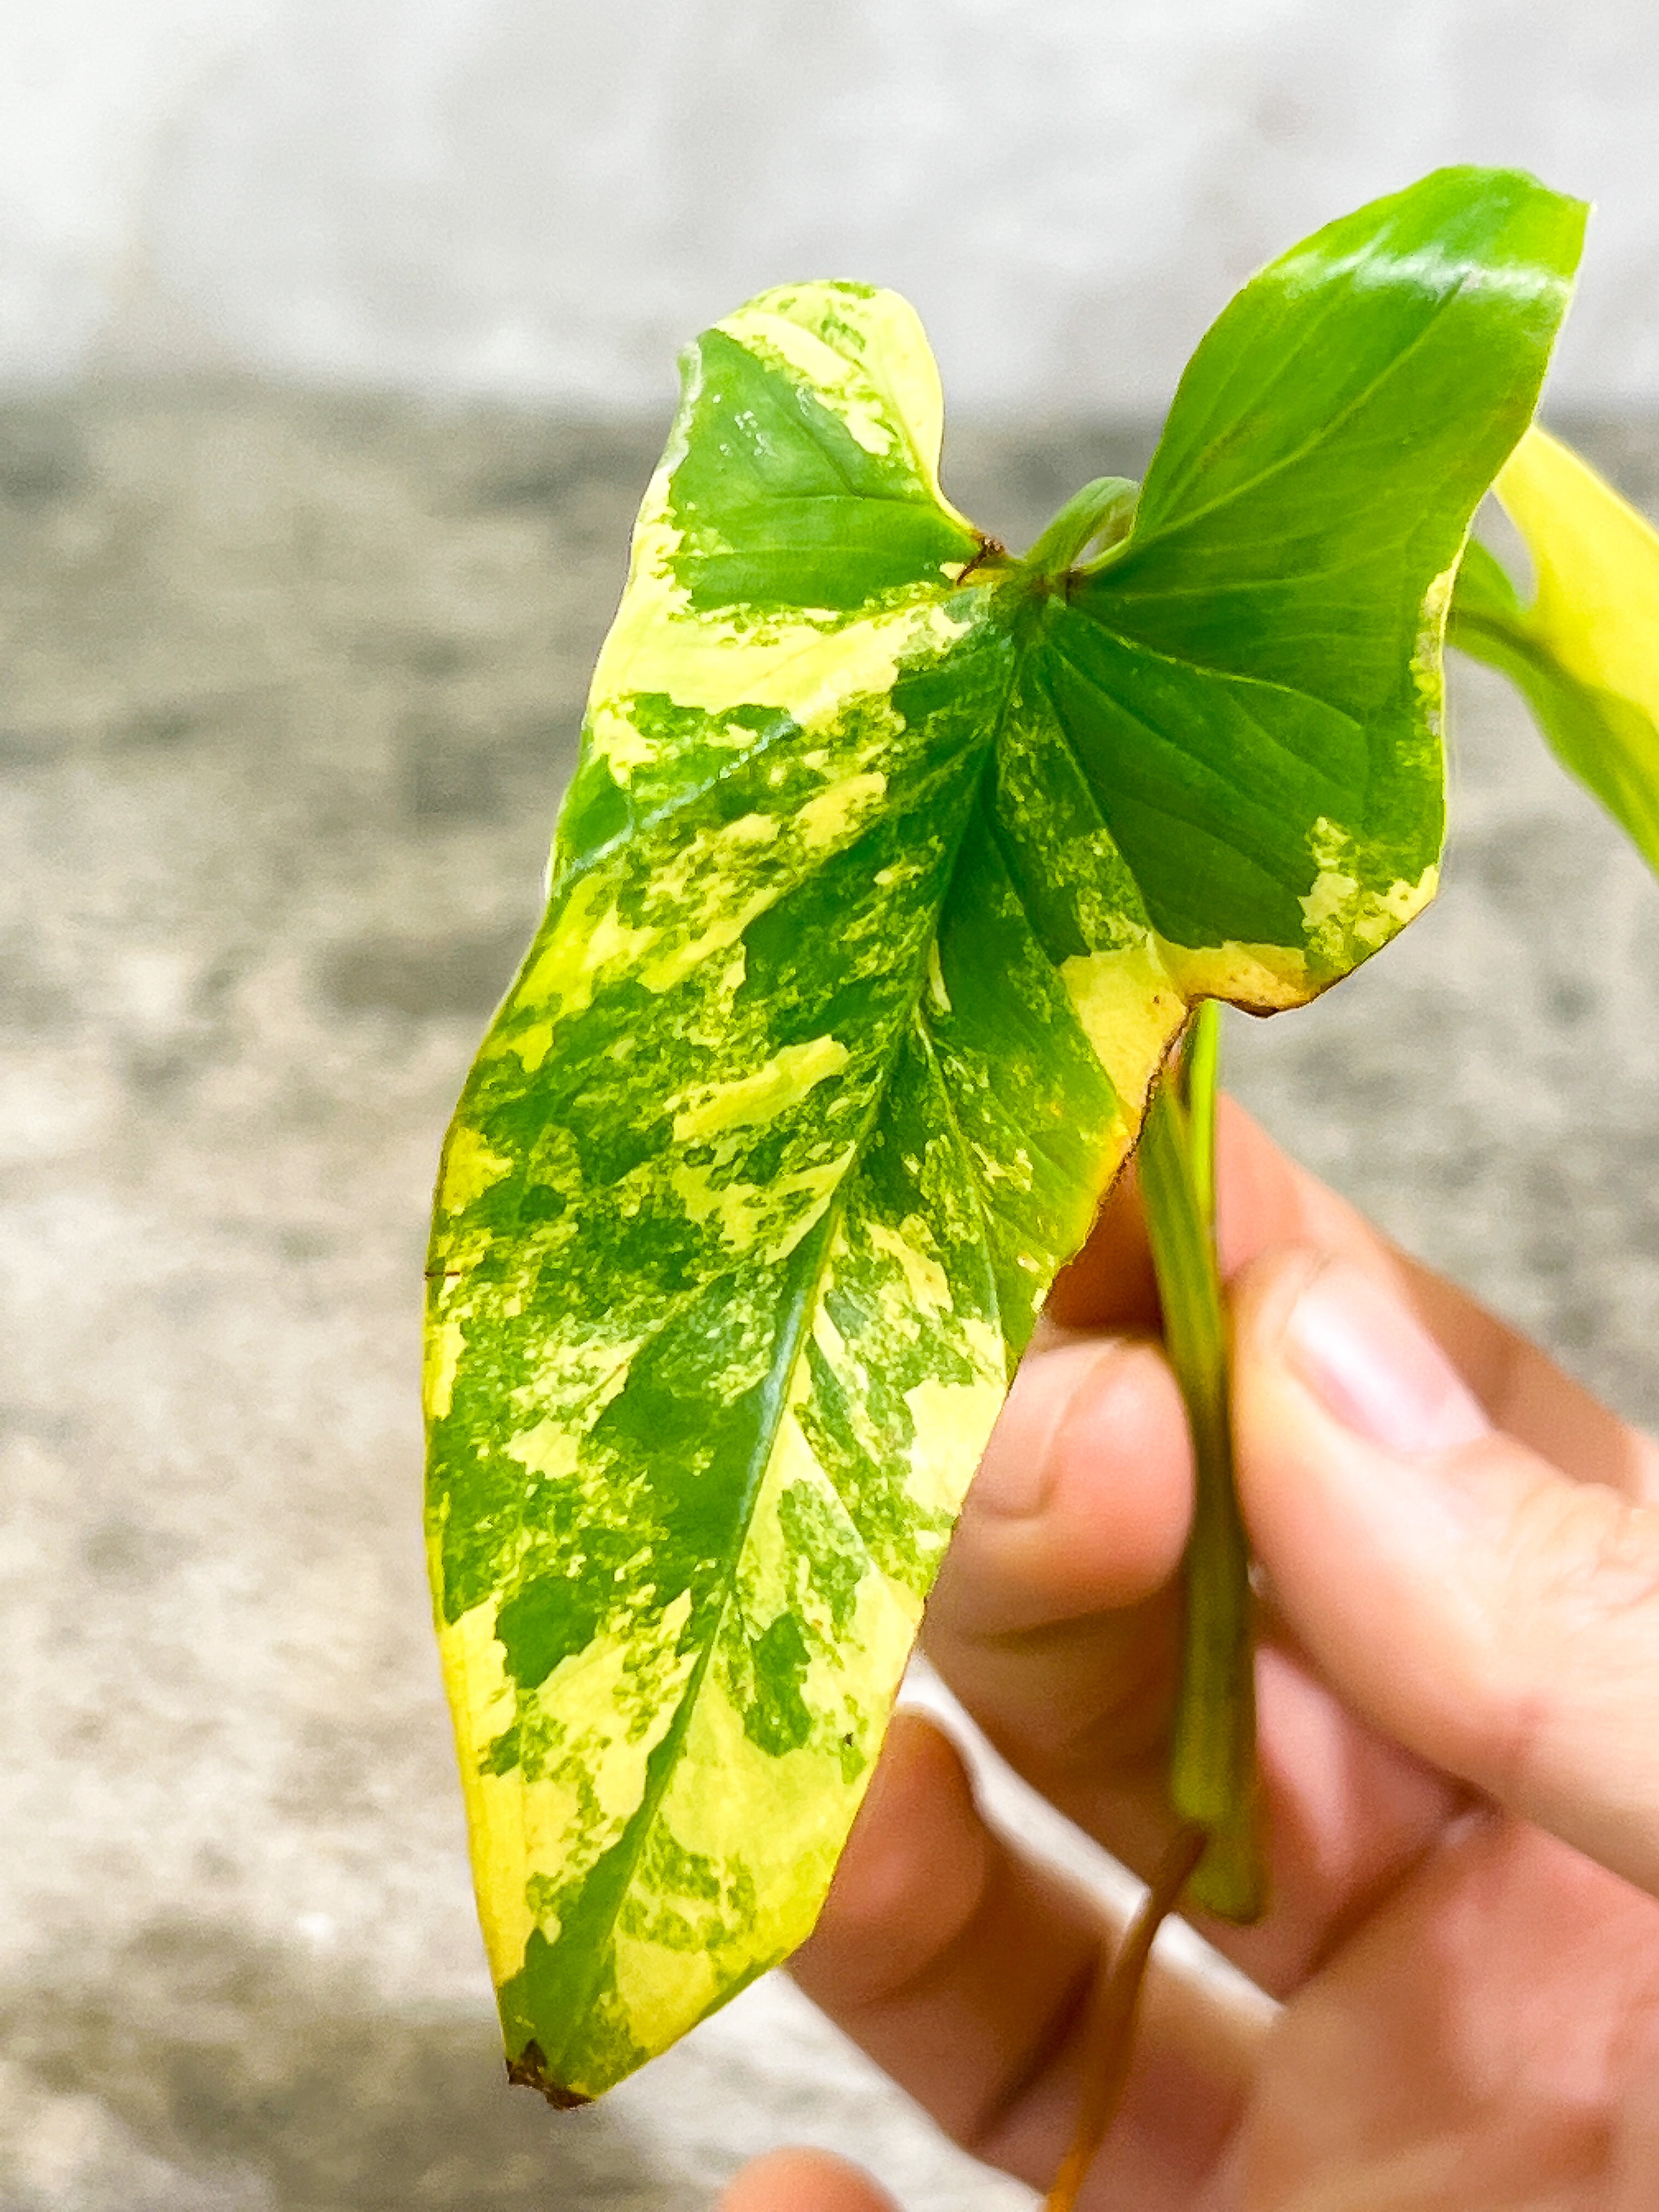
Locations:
1213 1755
1102 509
1200 1079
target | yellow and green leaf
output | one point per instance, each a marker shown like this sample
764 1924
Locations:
1585 653
890 870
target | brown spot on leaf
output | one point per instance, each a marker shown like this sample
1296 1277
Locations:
529 2070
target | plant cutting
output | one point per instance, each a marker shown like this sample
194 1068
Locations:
890 904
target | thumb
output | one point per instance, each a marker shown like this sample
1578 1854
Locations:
1496 1618
803 2181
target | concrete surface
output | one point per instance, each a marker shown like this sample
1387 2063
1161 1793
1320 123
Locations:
290 688
542 199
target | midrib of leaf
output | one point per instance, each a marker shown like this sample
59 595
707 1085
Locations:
924 1031
776 1398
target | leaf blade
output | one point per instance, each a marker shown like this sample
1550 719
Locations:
669 1657
1585 654
862 952
1295 541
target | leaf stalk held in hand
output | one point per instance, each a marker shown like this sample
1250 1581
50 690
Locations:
1213 1754
1108 2039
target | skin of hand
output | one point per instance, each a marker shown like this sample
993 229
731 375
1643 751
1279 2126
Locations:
1458 1683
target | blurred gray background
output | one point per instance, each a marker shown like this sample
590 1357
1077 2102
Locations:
538 200
336 343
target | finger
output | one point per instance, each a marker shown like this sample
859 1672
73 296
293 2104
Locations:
1264 1199
965 1971
1046 1540
1056 1620
1053 1622
804 2181
1056 1617
1480 2044
1464 1595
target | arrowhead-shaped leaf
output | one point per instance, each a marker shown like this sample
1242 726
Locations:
888 875
1585 653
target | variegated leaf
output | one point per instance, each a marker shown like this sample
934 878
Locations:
1585 653
889 872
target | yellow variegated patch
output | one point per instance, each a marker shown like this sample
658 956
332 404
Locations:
1585 653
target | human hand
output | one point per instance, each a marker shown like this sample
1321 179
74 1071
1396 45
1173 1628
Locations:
1458 1687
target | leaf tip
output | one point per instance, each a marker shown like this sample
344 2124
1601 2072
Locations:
529 2071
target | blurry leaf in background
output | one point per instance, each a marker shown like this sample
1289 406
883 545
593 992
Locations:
1585 653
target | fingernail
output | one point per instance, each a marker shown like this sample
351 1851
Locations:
1016 1474
1375 1369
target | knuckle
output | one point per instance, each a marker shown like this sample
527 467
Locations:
1589 1555
1580 1588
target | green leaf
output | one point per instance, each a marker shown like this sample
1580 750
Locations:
888 873
1585 654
